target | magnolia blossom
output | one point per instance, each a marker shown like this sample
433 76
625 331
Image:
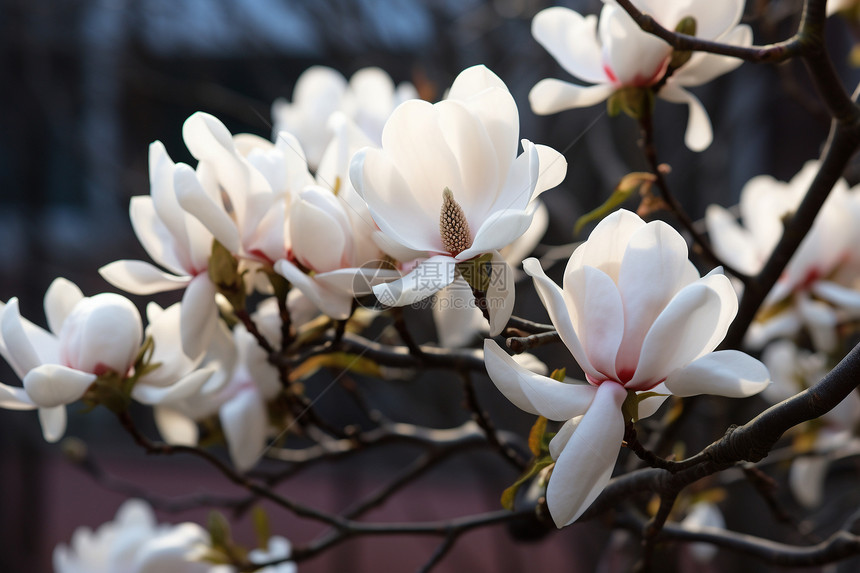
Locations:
178 242
240 402
88 337
368 99
447 186
333 256
614 53
636 316
815 290
793 370
136 543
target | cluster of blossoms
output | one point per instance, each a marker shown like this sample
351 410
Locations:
369 193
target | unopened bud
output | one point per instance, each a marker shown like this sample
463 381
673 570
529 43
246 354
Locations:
687 26
636 102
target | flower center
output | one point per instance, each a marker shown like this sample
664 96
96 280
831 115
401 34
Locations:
453 226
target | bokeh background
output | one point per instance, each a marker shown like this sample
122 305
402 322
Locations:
86 85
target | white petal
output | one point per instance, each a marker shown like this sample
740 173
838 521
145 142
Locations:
550 96
837 294
244 420
731 242
53 421
532 392
725 373
684 331
703 67
175 427
806 479
455 314
526 243
562 437
318 240
585 464
199 315
51 385
785 324
630 55
553 300
498 231
194 199
60 298
699 134
139 277
553 169
14 398
156 238
607 243
597 314
500 294
572 40
183 388
331 302
820 320
22 355
429 277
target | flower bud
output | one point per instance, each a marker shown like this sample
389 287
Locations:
102 333
320 232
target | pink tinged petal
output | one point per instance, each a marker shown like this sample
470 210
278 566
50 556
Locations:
331 302
500 294
244 421
392 204
635 57
553 300
197 202
180 389
683 332
199 315
498 231
155 238
837 294
429 277
732 243
534 393
585 465
553 169
13 398
725 373
550 96
456 316
607 243
176 428
51 385
572 40
141 278
53 421
653 270
597 314
60 298
699 134
820 320
703 67
22 356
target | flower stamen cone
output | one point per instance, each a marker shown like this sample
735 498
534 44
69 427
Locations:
453 225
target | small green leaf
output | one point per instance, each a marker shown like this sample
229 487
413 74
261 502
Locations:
261 527
687 26
340 360
626 187
224 272
558 374
630 407
534 468
536 435
634 101
219 530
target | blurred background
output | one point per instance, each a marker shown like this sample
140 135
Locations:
87 85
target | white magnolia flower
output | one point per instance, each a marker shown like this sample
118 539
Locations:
333 256
456 315
368 99
88 337
447 186
815 289
794 370
277 548
615 53
637 317
135 543
178 242
240 402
